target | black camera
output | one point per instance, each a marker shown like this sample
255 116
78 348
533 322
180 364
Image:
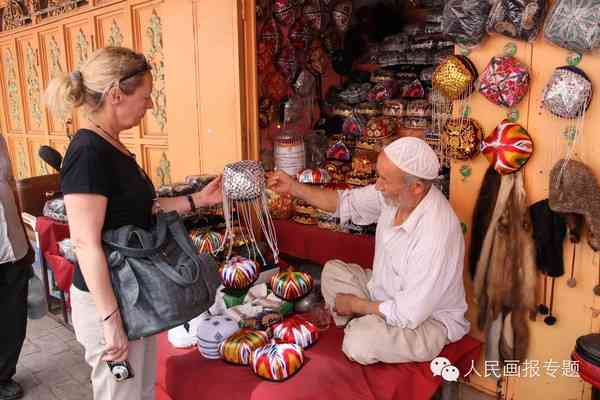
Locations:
120 370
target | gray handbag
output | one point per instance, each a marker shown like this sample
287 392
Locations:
159 279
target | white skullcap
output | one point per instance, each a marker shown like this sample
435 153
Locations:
414 156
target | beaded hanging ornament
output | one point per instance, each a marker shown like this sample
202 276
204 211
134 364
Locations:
567 96
244 191
453 81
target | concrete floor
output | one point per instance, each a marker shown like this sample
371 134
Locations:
51 366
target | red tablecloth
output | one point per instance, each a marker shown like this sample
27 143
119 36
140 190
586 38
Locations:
51 232
321 245
326 374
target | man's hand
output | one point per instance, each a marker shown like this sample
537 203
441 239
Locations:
344 304
280 182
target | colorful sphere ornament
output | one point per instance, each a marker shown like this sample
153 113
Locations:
239 273
277 362
508 147
296 330
237 348
462 137
291 285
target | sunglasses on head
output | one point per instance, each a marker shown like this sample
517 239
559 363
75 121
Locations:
145 67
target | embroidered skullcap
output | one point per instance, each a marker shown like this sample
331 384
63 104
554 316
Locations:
414 156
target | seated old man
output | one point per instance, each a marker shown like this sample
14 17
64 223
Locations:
412 303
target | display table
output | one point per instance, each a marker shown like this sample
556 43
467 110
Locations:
327 373
321 245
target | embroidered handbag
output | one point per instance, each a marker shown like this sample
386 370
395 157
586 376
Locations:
158 278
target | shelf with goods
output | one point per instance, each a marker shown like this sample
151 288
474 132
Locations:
341 81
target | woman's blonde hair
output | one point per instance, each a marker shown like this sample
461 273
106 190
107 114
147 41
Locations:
87 87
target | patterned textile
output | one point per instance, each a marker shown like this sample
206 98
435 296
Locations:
569 93
296 330
237 348
573 25
462 138
464 21
339 151
300 35
505 81
277 361
508 147
291 285
316 15
518 19
239 273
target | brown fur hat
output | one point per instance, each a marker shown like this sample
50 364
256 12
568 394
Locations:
574 189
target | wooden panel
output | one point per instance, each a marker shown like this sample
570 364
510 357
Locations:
157 165
11 89
79 39
148 38
32 84
54 62
113 28
39 167
19 156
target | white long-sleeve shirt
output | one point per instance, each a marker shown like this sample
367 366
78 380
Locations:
418 265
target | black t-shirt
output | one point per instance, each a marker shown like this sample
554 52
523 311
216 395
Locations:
93 165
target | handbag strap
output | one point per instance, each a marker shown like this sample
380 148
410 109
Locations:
152 249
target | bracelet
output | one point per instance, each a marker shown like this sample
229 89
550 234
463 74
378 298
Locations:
192 204
110 315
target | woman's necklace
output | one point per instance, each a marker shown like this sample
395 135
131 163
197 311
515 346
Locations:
112 140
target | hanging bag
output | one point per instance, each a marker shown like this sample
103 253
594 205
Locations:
158 278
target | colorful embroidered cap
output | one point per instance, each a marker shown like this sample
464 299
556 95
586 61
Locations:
296 330
239 273
211 330
291 285
314 176
462 138
518 19
573 25
342 15
237 348
339 151
277 361
285 11
505 81
569 93
455 77
508 147
380 127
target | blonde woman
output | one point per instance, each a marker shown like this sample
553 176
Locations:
105 189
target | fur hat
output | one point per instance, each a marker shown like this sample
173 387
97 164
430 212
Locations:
574 189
